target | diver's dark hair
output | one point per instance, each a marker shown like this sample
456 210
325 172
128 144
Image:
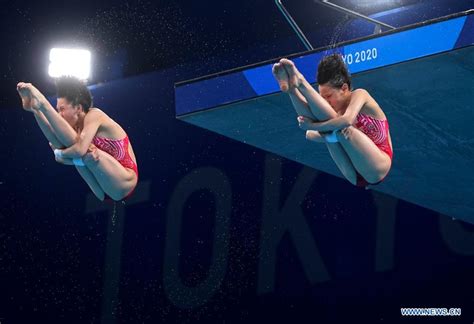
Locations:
75 91
333 71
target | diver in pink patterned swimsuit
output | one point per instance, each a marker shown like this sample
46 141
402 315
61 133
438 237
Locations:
350 122
85 137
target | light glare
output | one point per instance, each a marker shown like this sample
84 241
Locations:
73 62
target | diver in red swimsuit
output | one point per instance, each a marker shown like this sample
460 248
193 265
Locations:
84 136
350 122
118 149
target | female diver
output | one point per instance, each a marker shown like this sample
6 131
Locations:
350 122
84 136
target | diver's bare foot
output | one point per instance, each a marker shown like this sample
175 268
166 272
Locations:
295 78
281 76
29 102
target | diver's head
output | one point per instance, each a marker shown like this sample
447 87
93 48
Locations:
74 99
334 81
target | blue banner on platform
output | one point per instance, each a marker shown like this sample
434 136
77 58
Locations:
376 52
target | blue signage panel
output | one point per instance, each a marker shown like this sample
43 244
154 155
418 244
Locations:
361 56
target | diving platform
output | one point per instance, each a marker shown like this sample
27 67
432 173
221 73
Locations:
421 75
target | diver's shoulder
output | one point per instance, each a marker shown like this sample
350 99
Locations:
361 91
97 111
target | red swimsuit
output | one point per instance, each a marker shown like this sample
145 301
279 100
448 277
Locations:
377 131
118 149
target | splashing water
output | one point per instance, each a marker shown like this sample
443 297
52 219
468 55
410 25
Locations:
337 35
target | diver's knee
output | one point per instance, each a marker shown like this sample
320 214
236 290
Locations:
100 195
373 178
118 195
350 175
377 175
352 179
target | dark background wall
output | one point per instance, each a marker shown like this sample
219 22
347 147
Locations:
216 232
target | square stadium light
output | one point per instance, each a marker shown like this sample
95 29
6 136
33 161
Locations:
73 62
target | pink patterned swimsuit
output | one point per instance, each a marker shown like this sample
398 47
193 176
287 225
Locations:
118 149
377 131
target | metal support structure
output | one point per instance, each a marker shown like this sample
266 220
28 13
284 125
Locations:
378 24
302 37
293 25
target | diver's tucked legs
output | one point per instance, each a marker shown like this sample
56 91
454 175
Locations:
63 131
47 130
114 179
33 99
355 152
300 104
91 181
342 161
319 107
309 103
367 158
